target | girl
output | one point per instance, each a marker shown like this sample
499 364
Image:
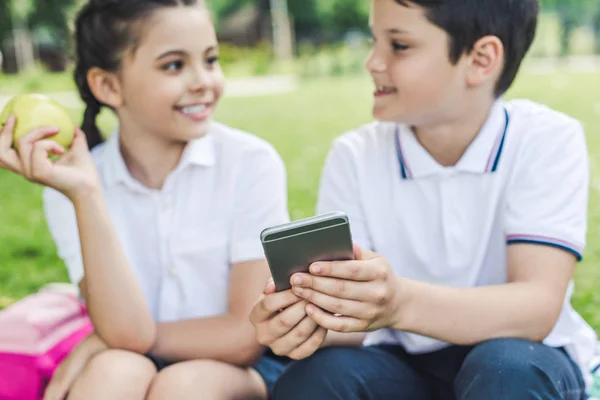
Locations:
159 225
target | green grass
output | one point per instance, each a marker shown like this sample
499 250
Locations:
301 126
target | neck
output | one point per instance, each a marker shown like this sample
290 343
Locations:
449 140
148 158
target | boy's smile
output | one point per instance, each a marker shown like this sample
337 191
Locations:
410 66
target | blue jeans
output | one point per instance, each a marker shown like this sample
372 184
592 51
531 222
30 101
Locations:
510 369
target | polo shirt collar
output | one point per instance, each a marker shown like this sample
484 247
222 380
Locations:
482 156
199 152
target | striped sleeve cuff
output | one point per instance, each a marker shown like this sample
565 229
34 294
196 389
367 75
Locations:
548 241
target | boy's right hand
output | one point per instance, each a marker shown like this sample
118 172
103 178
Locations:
282 324
74 174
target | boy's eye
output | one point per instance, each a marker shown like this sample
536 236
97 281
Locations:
173 66
212 60
399 46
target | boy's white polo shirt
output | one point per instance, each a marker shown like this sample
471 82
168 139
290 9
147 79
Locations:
182 240
523 179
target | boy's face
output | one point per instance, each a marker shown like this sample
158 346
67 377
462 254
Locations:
415 82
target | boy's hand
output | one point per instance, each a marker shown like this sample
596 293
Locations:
282 324
364 294
73 174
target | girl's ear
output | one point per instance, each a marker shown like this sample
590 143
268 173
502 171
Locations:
105 86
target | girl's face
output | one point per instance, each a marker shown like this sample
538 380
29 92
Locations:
171 82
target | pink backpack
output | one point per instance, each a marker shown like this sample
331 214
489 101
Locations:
36 334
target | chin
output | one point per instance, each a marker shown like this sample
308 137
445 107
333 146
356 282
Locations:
198 130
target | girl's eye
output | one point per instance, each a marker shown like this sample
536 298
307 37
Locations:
173 66
399 46
212 60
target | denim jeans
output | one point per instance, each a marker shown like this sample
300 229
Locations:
499 369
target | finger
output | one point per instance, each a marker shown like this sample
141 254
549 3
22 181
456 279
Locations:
357 251
333 323
79 141
354 270
313 344
339 288
40 161
270 288
6 135
270 304
9 159
281 324
57 388
335 305
294 338
25 145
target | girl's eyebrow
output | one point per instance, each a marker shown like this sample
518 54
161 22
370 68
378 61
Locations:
182 52
171 53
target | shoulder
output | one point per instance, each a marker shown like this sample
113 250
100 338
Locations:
240 146
540 126
365 141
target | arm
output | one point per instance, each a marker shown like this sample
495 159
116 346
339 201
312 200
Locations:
526 307
261 201
111 283
545 228
115 301
230 337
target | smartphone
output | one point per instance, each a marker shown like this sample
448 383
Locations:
293 247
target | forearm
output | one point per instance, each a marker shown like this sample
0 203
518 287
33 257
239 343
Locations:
467 316
225 338
114 298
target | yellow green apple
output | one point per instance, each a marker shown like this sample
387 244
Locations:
37 110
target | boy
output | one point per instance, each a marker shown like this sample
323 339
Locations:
476 209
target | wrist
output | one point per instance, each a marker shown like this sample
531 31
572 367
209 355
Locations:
402 304
84 193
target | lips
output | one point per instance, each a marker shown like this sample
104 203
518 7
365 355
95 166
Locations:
384 90
197 112
193 109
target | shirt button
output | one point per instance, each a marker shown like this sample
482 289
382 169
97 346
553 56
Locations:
172 272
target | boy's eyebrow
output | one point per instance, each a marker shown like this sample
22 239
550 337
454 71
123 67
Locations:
395 31
171 53
211 48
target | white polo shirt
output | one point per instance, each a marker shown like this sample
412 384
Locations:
181 240
523 179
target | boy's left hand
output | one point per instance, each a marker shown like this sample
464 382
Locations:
364 291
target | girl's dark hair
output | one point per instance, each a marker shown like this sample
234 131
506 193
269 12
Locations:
514 22
104 31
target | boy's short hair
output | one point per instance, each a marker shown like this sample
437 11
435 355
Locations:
514 22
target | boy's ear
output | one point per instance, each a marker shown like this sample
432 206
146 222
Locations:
105 87
486 61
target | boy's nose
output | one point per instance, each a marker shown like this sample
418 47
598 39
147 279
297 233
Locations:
375 64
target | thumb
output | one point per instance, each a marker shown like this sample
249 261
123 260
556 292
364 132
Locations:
363 254
79 141
270 288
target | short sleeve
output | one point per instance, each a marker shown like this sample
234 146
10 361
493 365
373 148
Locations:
62 224
547 199
339 191
261 202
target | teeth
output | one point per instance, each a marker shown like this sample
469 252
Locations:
193 109
385 89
